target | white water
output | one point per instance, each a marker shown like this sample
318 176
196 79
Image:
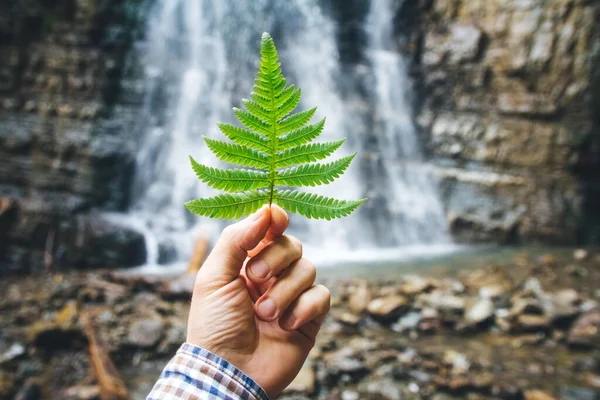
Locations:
201 60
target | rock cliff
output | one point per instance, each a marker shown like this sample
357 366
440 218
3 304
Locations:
66 137
509 110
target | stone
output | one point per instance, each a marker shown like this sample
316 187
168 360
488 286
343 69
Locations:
413 285
459 362
480 311
387 308
360 297
383 389
409 321
304 382
82 392
580 255
526 104
578 393
530 322
464 43
443 302
538 395
349 319
586 330
592 380
15 351
145 333
105 241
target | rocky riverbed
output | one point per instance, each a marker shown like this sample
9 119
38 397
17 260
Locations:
525 329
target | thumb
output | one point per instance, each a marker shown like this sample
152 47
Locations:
224 263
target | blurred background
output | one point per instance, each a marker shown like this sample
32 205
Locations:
472 271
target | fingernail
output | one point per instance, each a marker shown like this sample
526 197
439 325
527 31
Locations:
267 308
289 322
259 269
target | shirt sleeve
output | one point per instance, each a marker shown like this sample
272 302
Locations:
197 374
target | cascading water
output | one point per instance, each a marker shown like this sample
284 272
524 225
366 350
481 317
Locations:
415 213
201 60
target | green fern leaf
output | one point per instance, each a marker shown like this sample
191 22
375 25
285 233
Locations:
229 205
276 145
231 180
235 154
245 138
300 136
312 205
306 153
313 174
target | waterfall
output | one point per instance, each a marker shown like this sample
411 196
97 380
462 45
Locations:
201 60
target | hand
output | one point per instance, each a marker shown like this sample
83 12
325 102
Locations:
254 302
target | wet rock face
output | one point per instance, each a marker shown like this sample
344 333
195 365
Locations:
510 114
66 130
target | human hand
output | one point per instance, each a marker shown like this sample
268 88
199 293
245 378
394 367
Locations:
254 302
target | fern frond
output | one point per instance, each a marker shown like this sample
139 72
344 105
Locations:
289 105
277 144
245 138
229 205
296 121
313 174
252 122
240 155
306 153
301 135
231 180
312 205
284 96
256 109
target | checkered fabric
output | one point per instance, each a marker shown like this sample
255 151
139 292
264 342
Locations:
198 374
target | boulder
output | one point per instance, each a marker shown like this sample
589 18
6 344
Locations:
387 308
304 382
586 330
360 296
105 241
145 333
479 311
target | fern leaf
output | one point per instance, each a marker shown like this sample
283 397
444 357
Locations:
252 122
284 96
289 105
231 180
313 174
229 205
301 135
312 205
277 146
245 138
257 110
295 121
306 153
239 155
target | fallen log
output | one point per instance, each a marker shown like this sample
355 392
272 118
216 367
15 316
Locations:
111 385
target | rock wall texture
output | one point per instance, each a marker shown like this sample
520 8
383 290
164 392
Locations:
66 137
510 112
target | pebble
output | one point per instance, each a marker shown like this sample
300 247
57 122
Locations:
480 311
145 333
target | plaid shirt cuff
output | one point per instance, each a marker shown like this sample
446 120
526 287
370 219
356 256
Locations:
195 373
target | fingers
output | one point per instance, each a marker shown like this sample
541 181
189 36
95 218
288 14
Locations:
274 258
224 263
289 286
279 223
308 311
